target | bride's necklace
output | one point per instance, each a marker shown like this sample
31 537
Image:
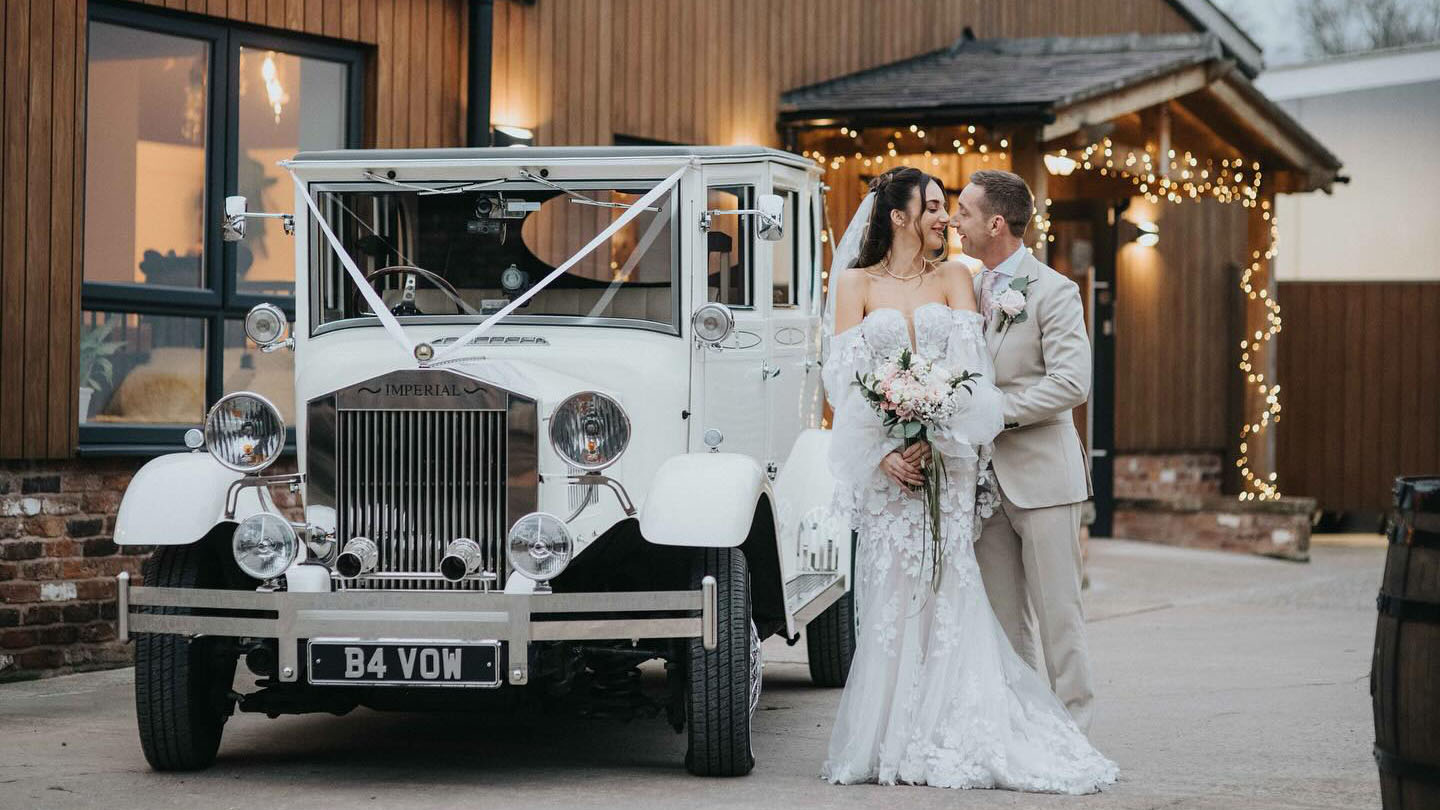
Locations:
926 266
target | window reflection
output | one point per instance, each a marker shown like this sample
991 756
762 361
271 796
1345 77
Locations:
247 368
786 255
727 248
288 104
145 157
141 369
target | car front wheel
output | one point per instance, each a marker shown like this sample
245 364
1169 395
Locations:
182 685
724 683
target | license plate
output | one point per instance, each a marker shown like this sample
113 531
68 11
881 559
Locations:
398 663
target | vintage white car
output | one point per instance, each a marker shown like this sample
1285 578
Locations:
556 413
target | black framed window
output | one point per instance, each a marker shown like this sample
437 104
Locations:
729 269
785 267
181 112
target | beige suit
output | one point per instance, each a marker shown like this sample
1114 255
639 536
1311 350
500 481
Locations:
1031 546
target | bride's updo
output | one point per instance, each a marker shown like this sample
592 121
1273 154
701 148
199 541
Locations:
893 191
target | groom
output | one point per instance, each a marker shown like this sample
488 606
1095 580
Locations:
1029 552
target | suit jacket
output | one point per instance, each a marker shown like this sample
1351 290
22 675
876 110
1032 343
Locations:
1042 366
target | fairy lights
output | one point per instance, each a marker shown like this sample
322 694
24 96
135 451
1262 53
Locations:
1177 176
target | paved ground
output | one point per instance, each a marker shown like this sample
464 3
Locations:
1224 681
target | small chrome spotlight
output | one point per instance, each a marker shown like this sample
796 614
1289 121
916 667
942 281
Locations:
462 558
359 557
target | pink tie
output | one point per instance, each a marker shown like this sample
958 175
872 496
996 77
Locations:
987 294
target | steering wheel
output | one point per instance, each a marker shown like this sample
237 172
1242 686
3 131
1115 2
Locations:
407 296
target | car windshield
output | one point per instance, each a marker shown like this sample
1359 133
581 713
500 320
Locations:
467 253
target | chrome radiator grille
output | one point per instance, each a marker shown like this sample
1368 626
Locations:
412 481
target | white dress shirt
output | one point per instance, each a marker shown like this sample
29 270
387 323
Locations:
995 279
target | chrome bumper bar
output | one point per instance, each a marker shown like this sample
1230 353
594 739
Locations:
424 616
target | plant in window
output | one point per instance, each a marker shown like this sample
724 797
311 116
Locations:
96 347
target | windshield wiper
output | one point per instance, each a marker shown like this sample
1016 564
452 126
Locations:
578 198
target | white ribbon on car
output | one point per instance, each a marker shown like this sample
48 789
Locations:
377 304
392 325
630 213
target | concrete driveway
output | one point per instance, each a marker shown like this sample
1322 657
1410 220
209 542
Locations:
1223 680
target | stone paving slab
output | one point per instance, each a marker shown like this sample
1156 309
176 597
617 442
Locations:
1225 682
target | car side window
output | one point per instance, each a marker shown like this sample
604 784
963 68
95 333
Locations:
785 267
728 265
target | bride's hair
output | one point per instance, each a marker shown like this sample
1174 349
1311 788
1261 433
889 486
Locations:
893 191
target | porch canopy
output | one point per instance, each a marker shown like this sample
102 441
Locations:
1168 118
1173 90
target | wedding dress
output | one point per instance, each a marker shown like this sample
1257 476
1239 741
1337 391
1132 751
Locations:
936 694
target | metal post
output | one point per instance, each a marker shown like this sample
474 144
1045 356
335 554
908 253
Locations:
482 14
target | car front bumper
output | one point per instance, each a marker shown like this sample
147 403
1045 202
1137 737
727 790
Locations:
513 620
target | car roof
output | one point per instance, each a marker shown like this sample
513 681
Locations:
543 154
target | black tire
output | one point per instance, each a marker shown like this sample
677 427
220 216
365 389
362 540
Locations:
718 696
830 642
182 685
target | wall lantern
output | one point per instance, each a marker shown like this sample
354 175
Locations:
1144 233
503 135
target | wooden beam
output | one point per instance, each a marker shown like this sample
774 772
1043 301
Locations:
1254 120
1259 447
1028 160
1146 94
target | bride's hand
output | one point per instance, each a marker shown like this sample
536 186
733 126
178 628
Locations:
902 472
916 453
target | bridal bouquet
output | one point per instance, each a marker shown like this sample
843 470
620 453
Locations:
913 395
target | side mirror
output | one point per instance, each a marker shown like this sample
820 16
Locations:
772 217
233 227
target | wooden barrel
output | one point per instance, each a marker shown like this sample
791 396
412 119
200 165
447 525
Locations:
1405 671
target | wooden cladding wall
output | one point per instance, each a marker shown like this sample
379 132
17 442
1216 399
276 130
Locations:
42 76
1360 384
712 72
1173 305
415 89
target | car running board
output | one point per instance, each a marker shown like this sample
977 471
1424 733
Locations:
807 595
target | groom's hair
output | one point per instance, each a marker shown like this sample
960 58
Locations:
1007 195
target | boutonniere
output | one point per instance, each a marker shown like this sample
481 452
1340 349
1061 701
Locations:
1009 305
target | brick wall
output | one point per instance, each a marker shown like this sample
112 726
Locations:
58 564
1167 475
1270 528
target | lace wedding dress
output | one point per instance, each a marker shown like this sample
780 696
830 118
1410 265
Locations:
936 695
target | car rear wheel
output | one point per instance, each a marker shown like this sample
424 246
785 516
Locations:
182 685
724 683
830 642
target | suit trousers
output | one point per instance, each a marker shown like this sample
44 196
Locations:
1031 565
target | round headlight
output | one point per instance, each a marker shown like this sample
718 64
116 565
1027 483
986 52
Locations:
539 546
713 322
590 431
265 545
244 432
265 324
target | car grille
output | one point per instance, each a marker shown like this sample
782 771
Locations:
412 481
415 459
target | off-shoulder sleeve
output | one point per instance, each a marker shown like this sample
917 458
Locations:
982 416
859 440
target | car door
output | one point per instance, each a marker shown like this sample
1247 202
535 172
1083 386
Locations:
730 379
792 375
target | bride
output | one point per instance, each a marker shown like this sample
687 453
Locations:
936 695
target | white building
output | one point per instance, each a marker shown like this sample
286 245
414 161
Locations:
1381 110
